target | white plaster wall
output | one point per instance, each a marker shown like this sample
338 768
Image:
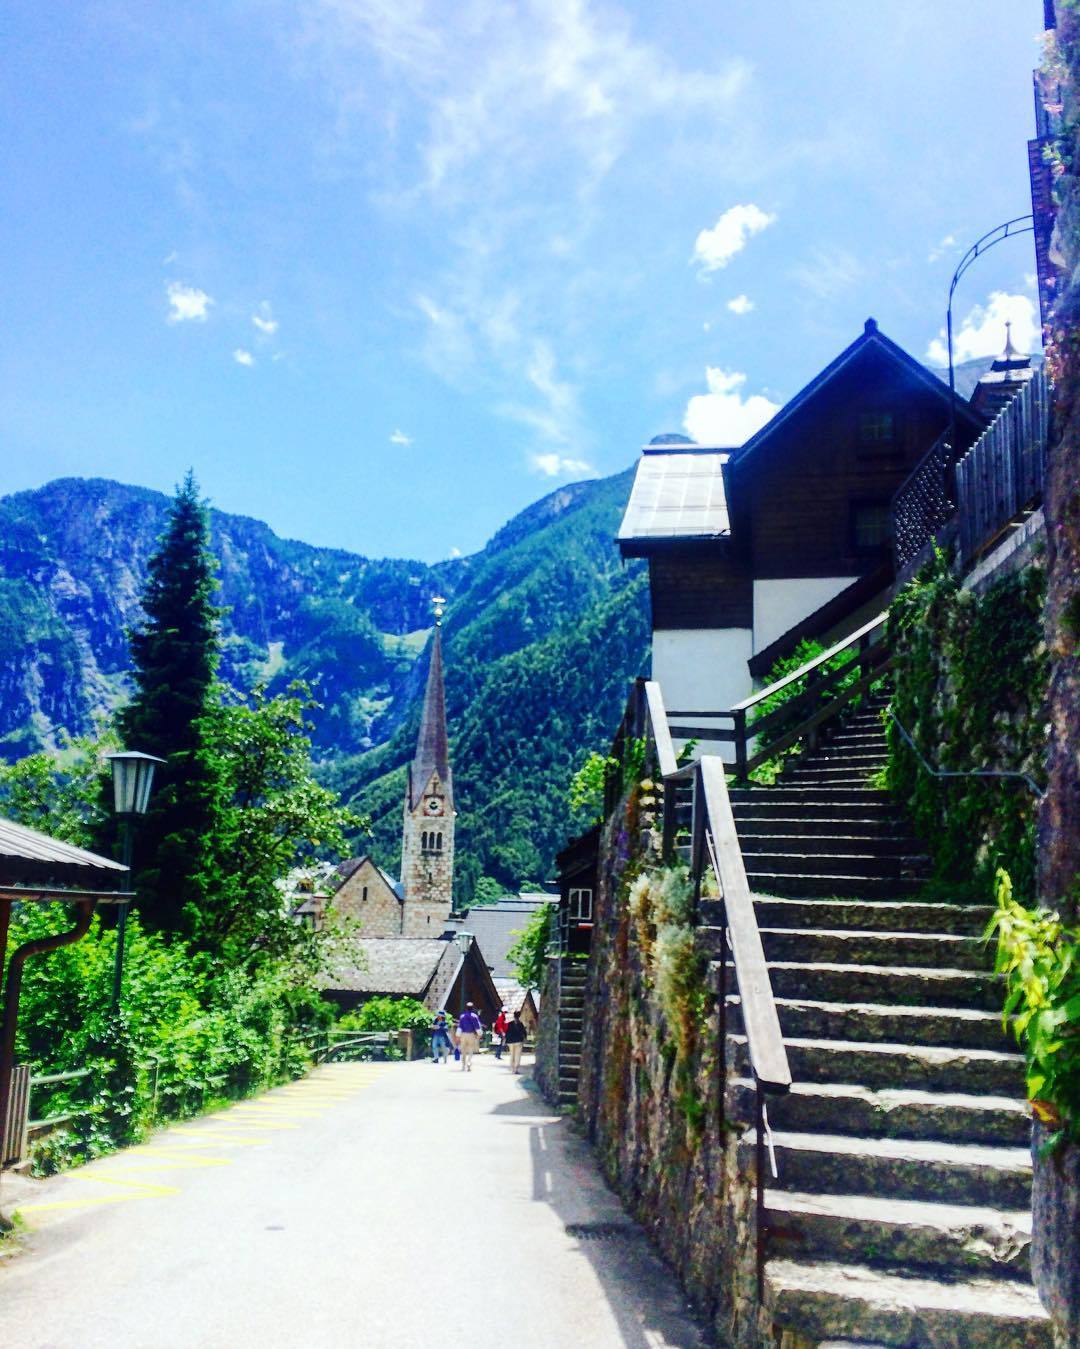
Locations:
780 604
699 670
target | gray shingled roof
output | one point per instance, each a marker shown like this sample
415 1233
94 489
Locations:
678 492
399 965
496 928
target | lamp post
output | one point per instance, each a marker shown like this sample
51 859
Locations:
133 778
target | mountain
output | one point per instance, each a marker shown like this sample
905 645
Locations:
543 628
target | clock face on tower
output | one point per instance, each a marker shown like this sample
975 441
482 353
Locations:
433 806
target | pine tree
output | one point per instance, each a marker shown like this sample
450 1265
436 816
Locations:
175 655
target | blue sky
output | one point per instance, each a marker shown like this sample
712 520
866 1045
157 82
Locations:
385 271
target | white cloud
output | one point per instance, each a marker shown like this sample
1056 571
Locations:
982 331
947 245
187 303
722 416
264 320
552 465
455 552
741 304
715 248
242 357
398 437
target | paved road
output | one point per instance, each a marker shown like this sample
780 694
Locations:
374 1207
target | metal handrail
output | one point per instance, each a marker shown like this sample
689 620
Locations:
928 767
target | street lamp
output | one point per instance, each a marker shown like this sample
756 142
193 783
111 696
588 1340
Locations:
1022 224
133 777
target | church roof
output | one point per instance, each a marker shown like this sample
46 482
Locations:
432 747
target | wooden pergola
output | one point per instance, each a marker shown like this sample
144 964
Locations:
37 869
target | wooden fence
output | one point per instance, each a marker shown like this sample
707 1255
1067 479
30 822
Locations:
1002 474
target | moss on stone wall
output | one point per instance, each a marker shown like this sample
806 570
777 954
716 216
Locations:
971 679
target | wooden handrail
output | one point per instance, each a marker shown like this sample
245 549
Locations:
661 732
761 1022
811 665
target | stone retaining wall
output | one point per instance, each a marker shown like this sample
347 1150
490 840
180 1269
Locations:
656 1122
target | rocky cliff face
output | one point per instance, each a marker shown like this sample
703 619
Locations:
543 629
73 557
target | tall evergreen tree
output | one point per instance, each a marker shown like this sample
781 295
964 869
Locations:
175 654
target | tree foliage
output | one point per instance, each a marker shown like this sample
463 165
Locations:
175 654
528 953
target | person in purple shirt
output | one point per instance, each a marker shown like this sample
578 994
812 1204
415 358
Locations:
469 1027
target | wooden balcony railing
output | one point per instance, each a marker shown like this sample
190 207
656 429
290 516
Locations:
1002 474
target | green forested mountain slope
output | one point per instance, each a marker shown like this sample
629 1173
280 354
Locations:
543 628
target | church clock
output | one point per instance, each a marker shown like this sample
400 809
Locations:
433 806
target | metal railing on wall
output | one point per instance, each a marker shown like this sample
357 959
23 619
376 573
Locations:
923 504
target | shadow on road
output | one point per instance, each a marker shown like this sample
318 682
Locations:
641 1291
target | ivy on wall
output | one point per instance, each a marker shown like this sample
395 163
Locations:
971 676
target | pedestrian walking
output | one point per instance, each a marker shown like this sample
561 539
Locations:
469 1027
499 1031
515 1039
440 1039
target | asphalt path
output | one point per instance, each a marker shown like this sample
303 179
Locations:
368 1206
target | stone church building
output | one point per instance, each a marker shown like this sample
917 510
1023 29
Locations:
408 944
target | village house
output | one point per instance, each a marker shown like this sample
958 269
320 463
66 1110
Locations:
750 547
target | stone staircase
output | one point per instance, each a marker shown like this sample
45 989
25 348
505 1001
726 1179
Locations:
900 1212
821 830
571 1020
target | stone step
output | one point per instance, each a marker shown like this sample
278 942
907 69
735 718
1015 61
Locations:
907 1234
826 777
876 1064
824 824
853 946
759 857
832 886
809 796
901 1168
873 915
851 756
910 987
826 841
841 1108
824 1300
809 1019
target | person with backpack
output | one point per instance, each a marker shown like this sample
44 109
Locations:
469 1027
515 1039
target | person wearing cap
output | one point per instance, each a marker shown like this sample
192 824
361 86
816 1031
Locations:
440 1039
469 1027
515 1039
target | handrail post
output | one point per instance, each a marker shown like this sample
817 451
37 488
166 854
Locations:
667 844
697 849
759 1187
739 716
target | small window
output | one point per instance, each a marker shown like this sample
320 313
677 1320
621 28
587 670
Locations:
430 841
871 526
363 895
580 905
876 428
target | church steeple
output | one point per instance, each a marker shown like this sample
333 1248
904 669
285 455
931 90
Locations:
432 746
427 839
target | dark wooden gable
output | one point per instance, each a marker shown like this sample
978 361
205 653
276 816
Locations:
811 492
